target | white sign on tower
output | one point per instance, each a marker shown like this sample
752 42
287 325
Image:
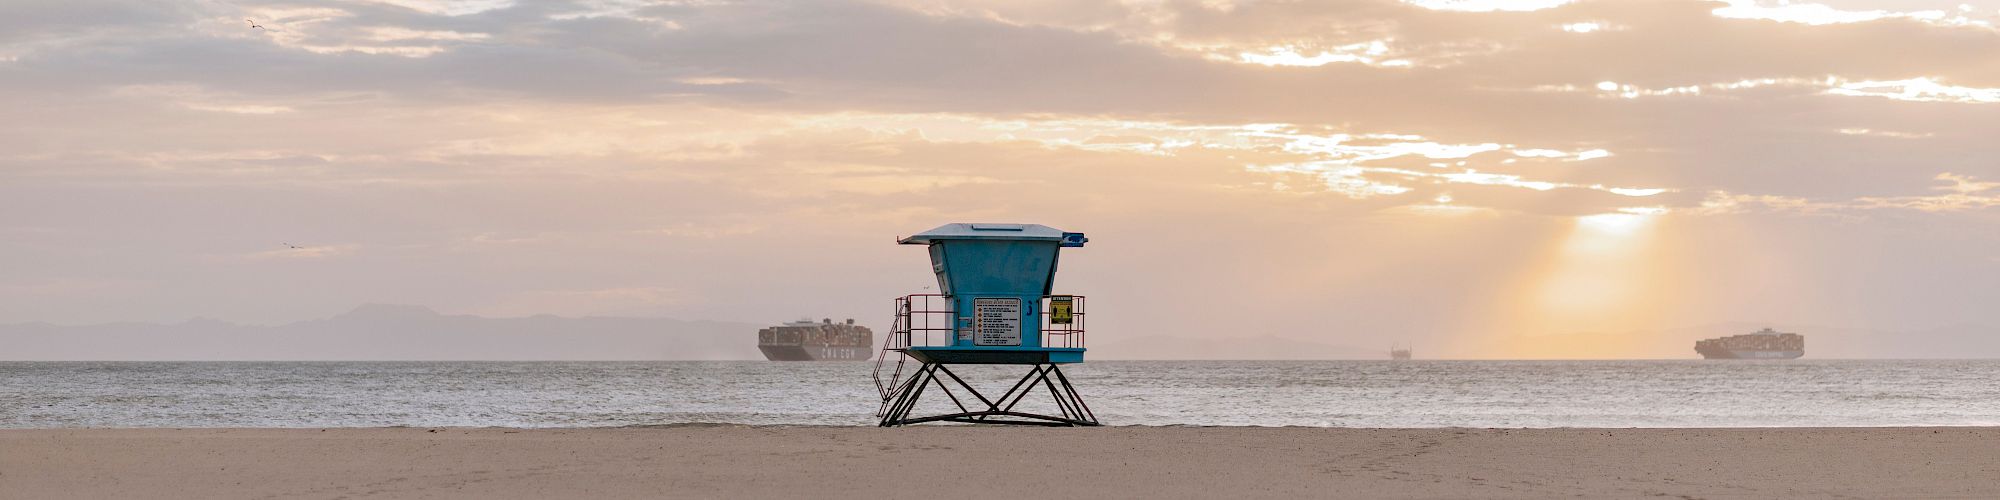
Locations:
996 321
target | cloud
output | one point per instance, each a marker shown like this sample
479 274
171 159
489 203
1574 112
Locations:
1458 98
1884 133
1919 90
335 31
199 99
496 156
1964 193
1370 53
72 287
616 301
1821 14
449 7
1487 5
311 252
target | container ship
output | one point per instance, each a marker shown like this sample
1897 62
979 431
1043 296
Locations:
804 340
1763 344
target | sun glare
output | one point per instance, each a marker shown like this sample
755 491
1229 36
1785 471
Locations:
1601 278
1608 225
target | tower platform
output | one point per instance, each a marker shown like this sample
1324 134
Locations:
956 356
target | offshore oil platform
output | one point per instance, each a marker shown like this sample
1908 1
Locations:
1399 353
994 307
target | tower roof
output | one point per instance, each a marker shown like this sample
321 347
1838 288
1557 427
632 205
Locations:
985 231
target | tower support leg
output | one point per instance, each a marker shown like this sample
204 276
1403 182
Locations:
896 407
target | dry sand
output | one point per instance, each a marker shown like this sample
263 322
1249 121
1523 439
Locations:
1120 462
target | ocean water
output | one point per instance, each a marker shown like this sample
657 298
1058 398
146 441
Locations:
1256 393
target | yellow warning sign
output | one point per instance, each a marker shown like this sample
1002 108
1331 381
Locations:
1061 311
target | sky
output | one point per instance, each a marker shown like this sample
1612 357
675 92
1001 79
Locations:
1465 176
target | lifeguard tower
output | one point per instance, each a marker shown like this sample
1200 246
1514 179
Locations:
993 308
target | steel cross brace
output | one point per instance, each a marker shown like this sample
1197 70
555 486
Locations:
896 408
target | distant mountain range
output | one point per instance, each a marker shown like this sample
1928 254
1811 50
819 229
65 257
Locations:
416 333
395 332
1264 347
388 332
1965 341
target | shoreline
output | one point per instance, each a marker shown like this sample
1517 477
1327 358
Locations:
721 425
744 461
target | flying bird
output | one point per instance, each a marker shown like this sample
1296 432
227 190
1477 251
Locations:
254 24
294 247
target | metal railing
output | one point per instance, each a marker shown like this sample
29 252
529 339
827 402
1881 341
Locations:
1062 334
928 315
927 320
930 319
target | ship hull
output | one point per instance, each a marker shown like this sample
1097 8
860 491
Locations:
815 353
1749 354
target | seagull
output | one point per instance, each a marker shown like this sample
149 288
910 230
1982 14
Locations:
254 24
294 247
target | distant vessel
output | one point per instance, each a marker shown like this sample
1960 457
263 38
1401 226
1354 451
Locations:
804 340
1763 344
1399 353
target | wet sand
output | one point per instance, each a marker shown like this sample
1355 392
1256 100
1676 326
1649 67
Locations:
1119 462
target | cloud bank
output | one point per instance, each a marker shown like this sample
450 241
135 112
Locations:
1366 172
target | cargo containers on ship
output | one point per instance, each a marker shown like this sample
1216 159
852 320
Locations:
805 340
1762 344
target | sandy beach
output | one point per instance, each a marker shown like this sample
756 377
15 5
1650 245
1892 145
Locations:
1122 462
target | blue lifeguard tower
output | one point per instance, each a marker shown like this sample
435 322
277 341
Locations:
993 307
